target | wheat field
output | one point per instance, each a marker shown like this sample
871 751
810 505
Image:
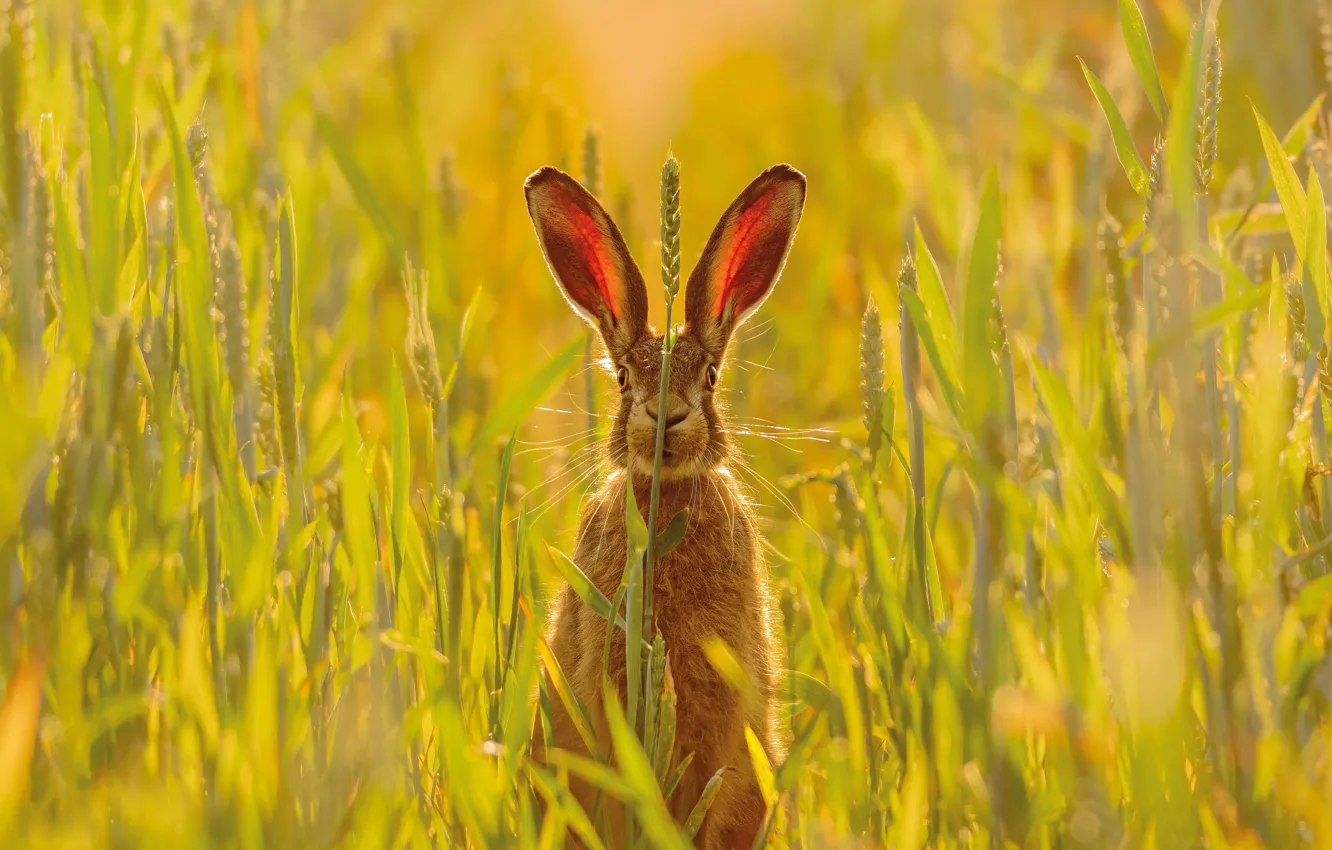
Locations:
295 424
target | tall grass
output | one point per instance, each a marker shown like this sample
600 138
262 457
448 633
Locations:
292 437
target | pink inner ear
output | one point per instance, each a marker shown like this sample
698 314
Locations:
748 231
592 249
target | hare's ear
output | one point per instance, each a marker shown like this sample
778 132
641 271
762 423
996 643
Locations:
588 257
744 256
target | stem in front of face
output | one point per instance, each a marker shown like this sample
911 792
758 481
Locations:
670 278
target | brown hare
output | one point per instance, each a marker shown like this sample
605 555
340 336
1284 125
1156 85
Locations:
714 583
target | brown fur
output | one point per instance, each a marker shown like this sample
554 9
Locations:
714 583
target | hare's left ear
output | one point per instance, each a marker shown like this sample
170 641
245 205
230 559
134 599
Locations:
588 257
744 256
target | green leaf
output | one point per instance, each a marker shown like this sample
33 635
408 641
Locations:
921 318
813 693
558 795
634 524
674 533
517 404
1077 442
979 369
582 585
762 768
731 669
363 188
577 711
1182 133
663 749
941 180
1293 201
593 772
465 328
668 787
637 772
584 588
358 529
1315 596
1298 134
103 181
929 284
76 321
1119 132
1140 50
400 449
1315 265
633 615
694 822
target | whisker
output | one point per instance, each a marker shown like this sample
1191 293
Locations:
755 331
769 424
809 438
567 439
740 464
763 366
545 506
577 463
775 440
576 412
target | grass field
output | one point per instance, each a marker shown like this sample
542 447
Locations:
294 423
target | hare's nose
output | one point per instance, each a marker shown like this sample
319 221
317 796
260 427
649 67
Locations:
676 410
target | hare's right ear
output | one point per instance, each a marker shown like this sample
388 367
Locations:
588 257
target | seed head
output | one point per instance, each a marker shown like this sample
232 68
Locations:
998 328
1155 182
871 376
1110 242
268 434
1299 347
421 338
1207 113
670 227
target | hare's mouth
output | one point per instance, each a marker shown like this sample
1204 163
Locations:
684 443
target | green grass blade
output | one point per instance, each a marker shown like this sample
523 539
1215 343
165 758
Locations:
358 532
1182 133
1316 294
400 454
700 811
557 794
674 533
518 403
1127 152
497 571
577 711
594 772
366 194
653 816
1140 50
1293 200
981 375
921 318
582 585
762 768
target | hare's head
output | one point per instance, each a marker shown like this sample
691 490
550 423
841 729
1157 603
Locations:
602 283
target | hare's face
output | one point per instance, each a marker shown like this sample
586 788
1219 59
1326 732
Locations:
695 439
736 271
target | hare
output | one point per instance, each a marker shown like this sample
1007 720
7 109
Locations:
714 583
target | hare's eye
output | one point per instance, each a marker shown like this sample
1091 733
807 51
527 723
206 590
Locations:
622 378
712 377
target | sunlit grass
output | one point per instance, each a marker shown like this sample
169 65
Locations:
294 428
